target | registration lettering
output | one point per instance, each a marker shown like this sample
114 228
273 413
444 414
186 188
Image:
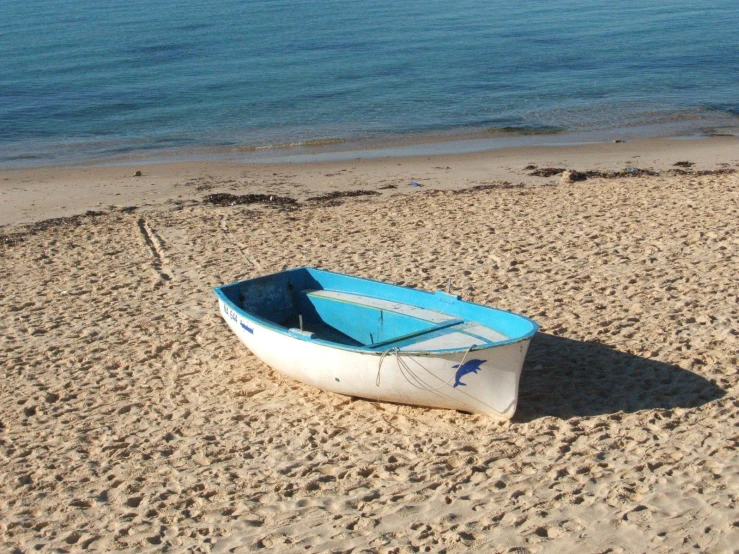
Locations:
233 316
230 314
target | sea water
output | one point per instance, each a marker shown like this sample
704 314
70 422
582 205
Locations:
91 81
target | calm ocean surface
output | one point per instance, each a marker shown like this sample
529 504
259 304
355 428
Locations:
90 81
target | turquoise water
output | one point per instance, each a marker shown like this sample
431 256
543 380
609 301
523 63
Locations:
91 81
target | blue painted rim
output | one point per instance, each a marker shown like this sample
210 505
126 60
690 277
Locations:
256 320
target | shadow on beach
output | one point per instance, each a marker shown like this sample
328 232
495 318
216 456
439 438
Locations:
567 378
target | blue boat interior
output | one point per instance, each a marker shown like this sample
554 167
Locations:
320 305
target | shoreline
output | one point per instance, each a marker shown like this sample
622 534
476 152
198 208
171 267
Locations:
338 147
34 194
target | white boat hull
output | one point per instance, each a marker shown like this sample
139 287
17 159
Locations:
423 379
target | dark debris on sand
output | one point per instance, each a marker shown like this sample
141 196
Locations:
582 175
11 239
629 172
702 173
546 171
334 198
226 199
503 185
342 194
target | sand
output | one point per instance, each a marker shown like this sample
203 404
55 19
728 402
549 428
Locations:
131 419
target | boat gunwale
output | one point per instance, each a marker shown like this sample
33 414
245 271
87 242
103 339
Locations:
256 319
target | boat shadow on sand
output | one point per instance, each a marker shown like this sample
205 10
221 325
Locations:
567 378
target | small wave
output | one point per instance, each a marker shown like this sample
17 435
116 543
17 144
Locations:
730 109
21 157
308 143
514 130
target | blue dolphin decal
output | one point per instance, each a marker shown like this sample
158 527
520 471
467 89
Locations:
245 327
471 366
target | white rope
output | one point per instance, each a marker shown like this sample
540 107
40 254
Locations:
455 373
403 366
379 367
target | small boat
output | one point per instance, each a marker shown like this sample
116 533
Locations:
382 342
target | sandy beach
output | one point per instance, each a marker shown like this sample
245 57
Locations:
132 420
